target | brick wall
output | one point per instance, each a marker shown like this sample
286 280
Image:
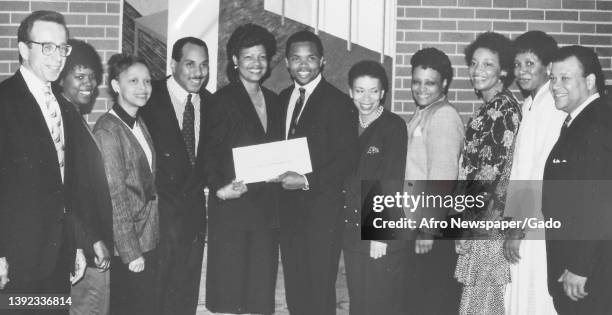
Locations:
450 25
97 22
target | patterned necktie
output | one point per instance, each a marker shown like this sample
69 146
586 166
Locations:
54 123
296 111
188 129
565 126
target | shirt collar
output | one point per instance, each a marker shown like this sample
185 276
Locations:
310 86
541 92
123 115
582 106
424 108
179 92
34 83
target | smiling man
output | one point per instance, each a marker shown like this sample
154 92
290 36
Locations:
175 116
37 151
310 213
576 189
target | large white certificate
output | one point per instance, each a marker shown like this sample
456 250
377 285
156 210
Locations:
262 162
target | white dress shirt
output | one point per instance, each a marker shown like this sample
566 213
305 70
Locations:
309 87
137 132
178 96
39 88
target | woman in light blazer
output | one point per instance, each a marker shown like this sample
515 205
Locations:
435 137
129 160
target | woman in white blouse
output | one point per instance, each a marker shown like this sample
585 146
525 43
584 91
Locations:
540 127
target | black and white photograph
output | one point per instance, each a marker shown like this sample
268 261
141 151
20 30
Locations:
305 157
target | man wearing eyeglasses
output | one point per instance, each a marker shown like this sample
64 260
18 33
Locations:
37 243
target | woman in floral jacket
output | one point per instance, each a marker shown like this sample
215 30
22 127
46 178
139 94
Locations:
485 166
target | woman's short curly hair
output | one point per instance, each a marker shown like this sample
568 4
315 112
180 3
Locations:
500 45
432 58
82 55
537 42
245 36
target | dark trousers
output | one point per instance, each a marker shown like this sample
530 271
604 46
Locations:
135 293
598 284
241 270
432 287
310 258
376 286
598 302
181 269
58 282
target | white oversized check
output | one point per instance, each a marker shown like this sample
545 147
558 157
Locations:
261 162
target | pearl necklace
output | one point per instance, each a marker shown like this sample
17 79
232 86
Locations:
377 114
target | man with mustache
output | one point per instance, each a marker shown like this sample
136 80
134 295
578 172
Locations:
78 86
311 204
37 153
175 116
576 188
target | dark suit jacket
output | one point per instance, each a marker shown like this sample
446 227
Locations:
93 207
131 185
577 192
32 196
382 163
329 122
180 186
234 122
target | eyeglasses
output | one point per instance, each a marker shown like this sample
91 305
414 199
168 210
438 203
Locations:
49 48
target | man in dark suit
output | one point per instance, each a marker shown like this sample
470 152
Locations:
577 187
37 243
78 86
310 212
175 117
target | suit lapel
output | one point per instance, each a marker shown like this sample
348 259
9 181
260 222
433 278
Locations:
580 123
204 105
248 109
169 128
272 123
33 117
147 136
565 151
285 97
310 107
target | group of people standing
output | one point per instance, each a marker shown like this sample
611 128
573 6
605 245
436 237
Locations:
122 207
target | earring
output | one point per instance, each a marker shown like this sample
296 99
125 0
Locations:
235 67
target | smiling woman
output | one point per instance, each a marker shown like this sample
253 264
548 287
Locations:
243 219
375 270
81 75
485 164
435 137
129 160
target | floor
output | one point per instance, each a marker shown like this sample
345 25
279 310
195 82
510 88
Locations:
281 306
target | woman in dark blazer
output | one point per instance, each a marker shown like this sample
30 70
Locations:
129 160
375 270
243 220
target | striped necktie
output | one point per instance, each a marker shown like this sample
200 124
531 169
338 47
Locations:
54 123
296 112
